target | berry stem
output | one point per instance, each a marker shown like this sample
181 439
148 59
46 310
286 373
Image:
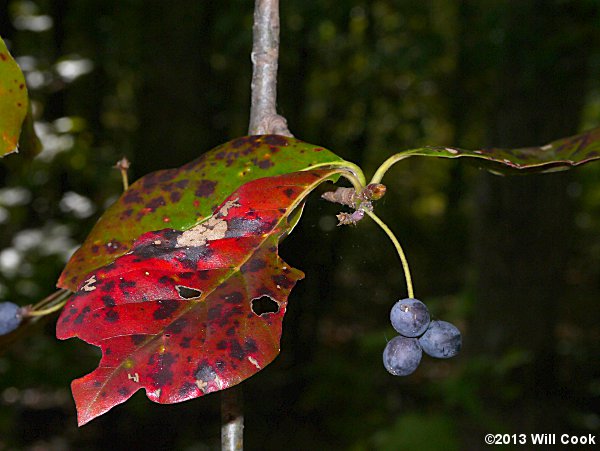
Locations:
48 310
399 249
50 304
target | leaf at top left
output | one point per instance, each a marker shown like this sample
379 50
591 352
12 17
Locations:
13 101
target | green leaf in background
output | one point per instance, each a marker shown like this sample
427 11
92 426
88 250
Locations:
13 101
558 155
29 143
179 198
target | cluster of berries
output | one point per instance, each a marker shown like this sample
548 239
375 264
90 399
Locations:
411 319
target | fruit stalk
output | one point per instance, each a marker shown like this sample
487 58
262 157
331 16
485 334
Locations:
392 237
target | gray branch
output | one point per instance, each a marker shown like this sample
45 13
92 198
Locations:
232 419
265 53
263 120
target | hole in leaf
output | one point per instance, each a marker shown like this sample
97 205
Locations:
187 292
263 305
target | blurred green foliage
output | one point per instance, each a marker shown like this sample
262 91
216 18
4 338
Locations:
162 82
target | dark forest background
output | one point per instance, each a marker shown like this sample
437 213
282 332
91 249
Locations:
514 261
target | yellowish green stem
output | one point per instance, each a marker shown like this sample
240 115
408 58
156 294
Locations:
386 165
48 310
50 304
399 249
353 172
125 179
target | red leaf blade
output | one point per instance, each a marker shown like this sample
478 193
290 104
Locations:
175 315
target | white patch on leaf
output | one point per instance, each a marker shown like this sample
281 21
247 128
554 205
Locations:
89 284
212 229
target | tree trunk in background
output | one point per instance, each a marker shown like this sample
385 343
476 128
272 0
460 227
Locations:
522 226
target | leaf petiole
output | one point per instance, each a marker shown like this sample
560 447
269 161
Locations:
386 165
353 172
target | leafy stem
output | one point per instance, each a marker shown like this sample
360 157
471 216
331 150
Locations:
399 249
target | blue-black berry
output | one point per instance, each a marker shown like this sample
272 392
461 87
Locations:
442 340
402 355
410 317
10 317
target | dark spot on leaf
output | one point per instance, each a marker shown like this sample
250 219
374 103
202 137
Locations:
203 275
185 342
195 254
81 316
187 292
107 286
236 351
123 284
254 265
289 192
226 317
111 316
205 188
238 142
275 140
264 305
132 196
230 331
283 281
164 376
97 384
265 164
222 345
165 280
138 339
158 177
123 391
177 326
250 345
234 298
108 351
108 301
156 202
241 226
165 309
186 389
182 184
175 196
214 312
205 372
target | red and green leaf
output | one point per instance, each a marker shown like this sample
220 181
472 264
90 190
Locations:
13 101
179 198
177 314
558 155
